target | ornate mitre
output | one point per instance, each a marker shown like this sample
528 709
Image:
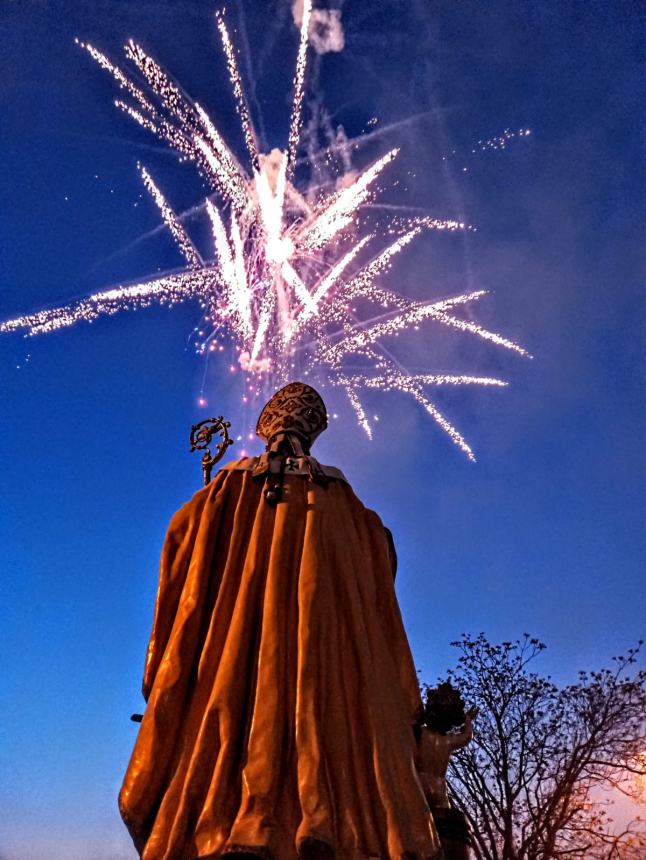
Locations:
297 409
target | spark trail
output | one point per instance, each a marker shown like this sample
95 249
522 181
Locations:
291 260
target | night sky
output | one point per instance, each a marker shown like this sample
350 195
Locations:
545 533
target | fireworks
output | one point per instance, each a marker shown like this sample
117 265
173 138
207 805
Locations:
291 264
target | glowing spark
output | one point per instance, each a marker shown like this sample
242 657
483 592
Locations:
359 411
270 204
474 328
363 284
138 117
412 316
330 280
501 140
343 208
454 435
438 224
266 311
240 274
168 290
411 384
498 142
299 80
124 82
234 77
299 287
176 229
157 78
222 178
232 268
390 382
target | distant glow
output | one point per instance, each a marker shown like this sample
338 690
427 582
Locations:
296 277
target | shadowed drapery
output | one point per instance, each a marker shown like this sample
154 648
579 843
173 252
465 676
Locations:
281 690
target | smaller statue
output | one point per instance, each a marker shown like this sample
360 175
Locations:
444 728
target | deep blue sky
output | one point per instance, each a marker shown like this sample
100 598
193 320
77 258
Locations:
545 533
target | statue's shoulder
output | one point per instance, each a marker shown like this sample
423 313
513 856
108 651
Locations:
242 464
306 466
194 506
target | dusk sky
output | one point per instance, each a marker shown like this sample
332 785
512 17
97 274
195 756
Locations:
544 534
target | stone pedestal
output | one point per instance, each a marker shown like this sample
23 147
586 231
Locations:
454 832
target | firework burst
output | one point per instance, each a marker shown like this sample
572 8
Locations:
287 273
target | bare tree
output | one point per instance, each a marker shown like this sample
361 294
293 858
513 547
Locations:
537 779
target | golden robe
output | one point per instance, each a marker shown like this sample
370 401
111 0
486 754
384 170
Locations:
280 686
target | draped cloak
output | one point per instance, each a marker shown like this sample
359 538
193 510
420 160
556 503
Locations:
280 687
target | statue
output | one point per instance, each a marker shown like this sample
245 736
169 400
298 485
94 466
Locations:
281 692
444 728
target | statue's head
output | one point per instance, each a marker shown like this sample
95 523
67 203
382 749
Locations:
297 409
443 708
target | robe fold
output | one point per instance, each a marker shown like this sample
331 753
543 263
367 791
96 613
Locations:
280 686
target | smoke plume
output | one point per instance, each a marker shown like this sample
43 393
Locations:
326 31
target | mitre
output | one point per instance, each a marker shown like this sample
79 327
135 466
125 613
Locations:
296 409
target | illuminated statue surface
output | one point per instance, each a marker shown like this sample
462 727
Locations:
280 687
433 755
